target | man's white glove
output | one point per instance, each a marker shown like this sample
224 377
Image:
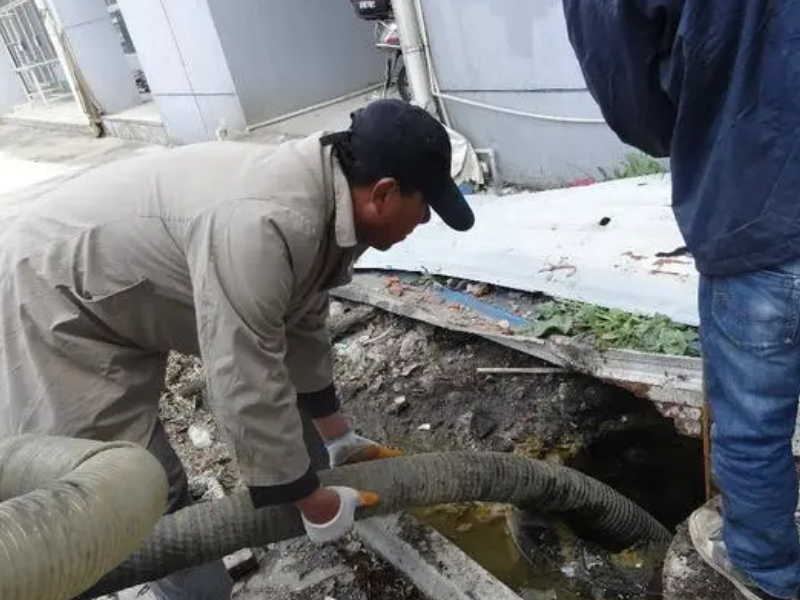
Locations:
352 448
340 525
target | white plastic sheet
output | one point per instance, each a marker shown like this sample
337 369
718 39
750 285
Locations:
598 244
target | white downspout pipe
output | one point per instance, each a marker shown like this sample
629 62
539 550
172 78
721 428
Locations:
408 27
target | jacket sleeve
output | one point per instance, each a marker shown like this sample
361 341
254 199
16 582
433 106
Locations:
309 358
243 279
622 47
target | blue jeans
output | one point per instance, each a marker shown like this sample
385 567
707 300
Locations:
751 348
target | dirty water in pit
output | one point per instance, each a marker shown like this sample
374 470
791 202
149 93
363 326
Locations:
558 566
563 568
480 531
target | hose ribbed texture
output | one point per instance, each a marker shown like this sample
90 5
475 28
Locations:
208 531
72 510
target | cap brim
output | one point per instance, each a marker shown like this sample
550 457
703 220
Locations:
450 205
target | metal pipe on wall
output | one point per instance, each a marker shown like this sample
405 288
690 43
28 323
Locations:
408 26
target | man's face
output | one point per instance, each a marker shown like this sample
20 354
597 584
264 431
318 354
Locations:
385 216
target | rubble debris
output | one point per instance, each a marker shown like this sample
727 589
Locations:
413 343
206 487
298 570
200 436
371 340
346 321
394 286
241 563
410 369
191 387
336 310
482 424
502 444
479 289
399 405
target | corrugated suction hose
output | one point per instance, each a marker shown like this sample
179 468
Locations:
70 511
208 531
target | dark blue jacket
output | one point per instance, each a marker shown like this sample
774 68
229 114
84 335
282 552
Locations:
715 85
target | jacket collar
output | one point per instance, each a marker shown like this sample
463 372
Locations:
344 221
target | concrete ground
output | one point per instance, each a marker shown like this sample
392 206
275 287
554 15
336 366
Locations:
33 161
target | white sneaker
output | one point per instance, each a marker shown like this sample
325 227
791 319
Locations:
705 529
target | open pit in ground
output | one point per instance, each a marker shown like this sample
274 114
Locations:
416 387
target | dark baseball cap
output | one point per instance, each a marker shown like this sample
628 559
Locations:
400 140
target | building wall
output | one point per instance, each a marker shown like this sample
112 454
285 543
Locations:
180 53
96 48
516 54
285 55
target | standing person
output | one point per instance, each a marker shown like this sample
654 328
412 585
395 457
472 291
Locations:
226 250
715 85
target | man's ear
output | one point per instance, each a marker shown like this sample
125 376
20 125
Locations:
382 190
